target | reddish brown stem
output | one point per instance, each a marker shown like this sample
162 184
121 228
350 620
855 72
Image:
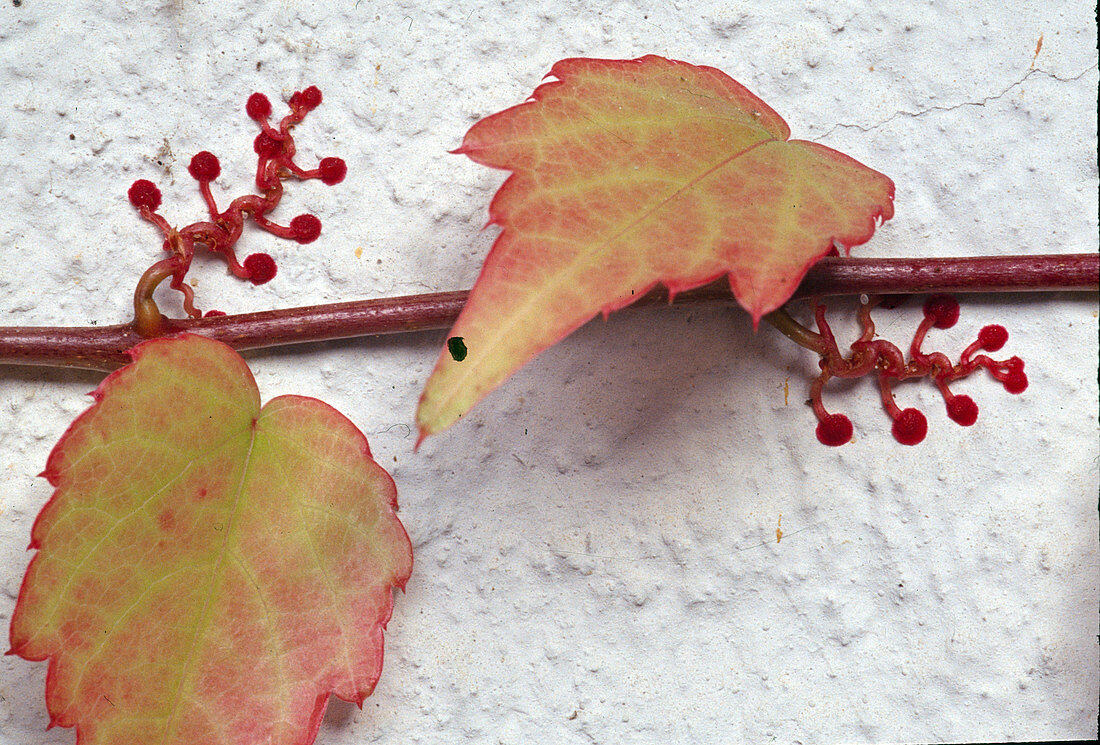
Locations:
104 348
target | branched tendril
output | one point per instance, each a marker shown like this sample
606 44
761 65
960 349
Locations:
219 234
888 362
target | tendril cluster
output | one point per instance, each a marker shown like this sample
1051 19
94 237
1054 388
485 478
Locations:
275 149
884 359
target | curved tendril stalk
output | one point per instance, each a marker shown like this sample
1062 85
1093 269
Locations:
275 150
890 364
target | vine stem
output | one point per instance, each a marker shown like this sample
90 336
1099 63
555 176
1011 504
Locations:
104 348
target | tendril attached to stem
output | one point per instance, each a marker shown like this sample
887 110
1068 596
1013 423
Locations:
275 148
890 364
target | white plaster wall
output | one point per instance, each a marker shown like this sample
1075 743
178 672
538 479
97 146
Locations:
596 542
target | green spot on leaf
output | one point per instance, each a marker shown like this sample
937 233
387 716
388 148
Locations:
457 347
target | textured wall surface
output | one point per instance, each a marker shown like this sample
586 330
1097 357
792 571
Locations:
596 542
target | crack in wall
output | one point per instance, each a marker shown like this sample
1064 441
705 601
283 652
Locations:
914 114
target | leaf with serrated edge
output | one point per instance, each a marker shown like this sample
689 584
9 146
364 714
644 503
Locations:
630 173
208 571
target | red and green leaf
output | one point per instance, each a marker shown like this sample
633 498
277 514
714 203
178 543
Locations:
630 173
208 571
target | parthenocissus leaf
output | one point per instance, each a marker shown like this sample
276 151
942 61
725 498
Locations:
208 571
627 173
